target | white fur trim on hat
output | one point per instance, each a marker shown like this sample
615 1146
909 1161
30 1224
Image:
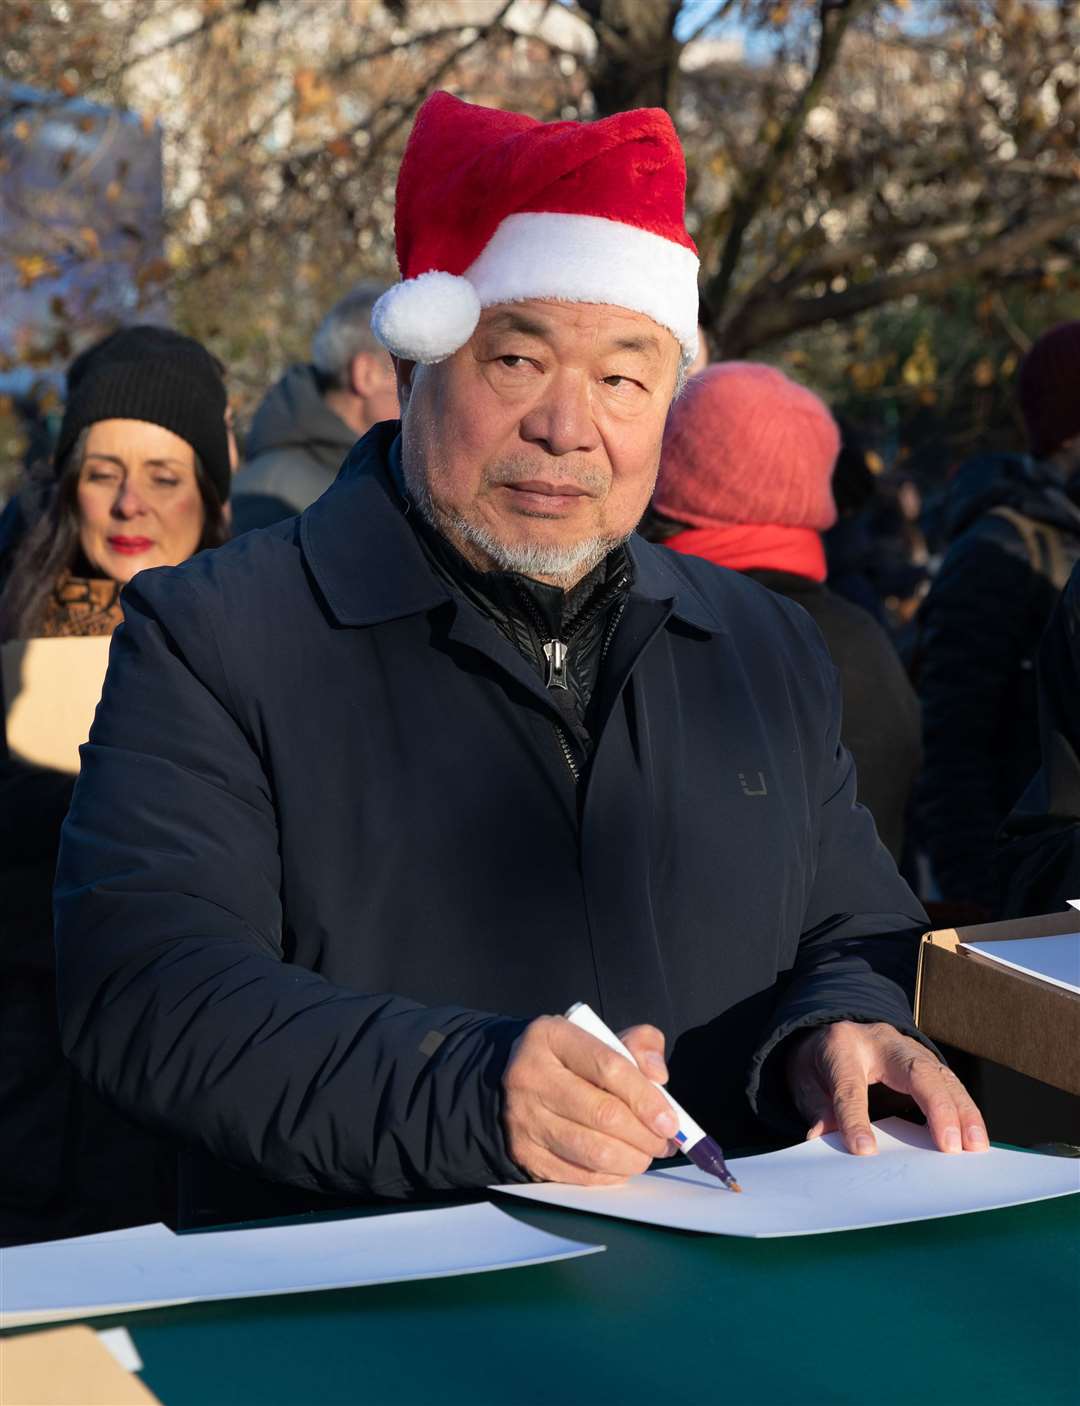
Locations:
427 318
588 259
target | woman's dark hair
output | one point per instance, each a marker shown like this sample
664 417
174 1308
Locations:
51 544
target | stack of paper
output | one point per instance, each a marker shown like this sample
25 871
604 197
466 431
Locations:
818 1187
150 1267
1053 959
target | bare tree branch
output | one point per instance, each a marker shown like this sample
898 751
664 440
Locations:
208 23
718 15
770 319
402 109
835 20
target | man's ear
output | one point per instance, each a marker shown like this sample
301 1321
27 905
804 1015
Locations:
403 370
365 372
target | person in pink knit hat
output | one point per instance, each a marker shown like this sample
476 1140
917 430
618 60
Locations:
745 482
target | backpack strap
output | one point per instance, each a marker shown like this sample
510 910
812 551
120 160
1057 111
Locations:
1042 543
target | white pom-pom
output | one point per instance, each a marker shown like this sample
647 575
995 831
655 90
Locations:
428 318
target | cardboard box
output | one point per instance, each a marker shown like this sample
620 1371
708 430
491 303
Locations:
1018 1037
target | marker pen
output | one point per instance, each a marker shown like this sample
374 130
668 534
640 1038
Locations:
702 1150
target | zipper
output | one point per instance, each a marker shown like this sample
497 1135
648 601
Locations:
557 652
567 751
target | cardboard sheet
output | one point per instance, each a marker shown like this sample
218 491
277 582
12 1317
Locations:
817 1187
51 691
150 1267
1052 959
63 1366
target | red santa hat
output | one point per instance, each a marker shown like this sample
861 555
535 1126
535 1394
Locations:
494 207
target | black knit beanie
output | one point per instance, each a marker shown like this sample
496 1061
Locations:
1049 388
150 373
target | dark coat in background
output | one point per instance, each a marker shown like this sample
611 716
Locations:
979 630
70 1165
881 726
293 452
1039 852
325 858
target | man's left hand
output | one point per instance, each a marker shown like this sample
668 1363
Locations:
830 1070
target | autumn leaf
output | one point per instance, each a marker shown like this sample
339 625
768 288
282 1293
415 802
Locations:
156 271
921 368
68 84
341 147
312 91
113 192
21 130
32 267
868 375
982 373
91 241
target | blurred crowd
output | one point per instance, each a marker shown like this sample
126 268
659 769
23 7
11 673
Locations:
953 625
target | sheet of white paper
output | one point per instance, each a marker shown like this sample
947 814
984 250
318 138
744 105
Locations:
119 1343
1053 959
818 1187
113 1274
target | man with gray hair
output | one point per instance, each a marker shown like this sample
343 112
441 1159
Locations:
372 794
313 416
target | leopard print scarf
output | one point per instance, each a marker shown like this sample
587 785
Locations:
81 605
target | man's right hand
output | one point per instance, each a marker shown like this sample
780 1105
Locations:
576 1111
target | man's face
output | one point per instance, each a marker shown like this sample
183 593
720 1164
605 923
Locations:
535 447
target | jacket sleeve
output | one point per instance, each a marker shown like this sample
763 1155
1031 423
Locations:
977 617
1038 857
859 945
175 1001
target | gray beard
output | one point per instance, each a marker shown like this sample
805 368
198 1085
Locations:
561 566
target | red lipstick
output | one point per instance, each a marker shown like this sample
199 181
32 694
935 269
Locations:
130 546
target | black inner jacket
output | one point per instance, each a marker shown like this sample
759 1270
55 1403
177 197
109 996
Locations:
564 635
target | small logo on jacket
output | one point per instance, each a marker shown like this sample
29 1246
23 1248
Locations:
760 789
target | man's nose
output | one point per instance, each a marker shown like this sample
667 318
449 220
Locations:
562 421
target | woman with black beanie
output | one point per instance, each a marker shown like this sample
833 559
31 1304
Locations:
140 478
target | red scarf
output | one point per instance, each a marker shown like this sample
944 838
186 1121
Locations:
755 547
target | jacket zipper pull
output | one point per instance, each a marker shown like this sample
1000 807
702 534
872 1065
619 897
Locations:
555 654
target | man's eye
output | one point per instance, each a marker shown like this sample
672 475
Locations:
620 382
511 361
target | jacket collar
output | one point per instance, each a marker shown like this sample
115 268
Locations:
370 568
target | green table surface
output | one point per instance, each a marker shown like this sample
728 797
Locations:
981 1308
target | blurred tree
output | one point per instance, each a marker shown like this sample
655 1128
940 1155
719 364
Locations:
843 155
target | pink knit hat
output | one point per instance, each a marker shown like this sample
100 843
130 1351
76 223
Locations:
744 443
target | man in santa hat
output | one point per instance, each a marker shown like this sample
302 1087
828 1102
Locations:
373 794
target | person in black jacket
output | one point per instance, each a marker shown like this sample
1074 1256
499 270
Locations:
1038 854
141 475
745 482
372 793
1014 526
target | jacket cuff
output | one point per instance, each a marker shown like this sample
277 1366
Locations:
500 1037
